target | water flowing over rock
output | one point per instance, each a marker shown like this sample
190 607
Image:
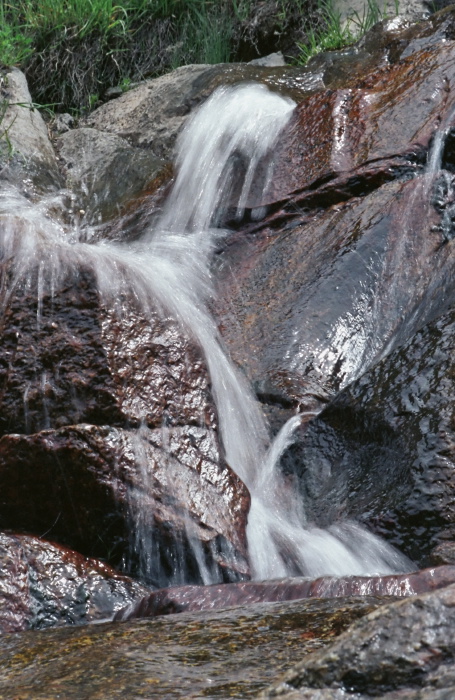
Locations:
403 410
230 653
168 601
353 260
90 156
306 229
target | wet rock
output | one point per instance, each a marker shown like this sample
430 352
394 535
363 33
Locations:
444 553
349 211
45 585
231 653
67 358
190 598
353 260
387 114
153 498
399 419
151 115
390 654
104 171
319 290
26 154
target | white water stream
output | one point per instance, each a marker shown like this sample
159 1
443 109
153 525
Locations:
232 135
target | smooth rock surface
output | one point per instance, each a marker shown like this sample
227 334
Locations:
26 154
353 260
314 278
190 598
104 171
151 115
220 654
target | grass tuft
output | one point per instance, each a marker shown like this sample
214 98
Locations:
334 34
73 50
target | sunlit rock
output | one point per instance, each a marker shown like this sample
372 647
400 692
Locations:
168 601
45 585
26 154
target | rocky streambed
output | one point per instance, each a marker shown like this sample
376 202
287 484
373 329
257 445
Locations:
335 293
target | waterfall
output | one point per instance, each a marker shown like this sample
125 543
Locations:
224 153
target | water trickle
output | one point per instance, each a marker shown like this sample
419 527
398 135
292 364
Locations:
224 153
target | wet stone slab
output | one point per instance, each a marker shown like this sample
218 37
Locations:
228 653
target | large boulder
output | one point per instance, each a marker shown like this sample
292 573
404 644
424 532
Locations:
68 358
157 499
354 260
345 266
115 373
150 115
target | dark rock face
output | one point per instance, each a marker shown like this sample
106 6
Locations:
67 359
93 487
321 265
45 585
190 598
403 409
389 654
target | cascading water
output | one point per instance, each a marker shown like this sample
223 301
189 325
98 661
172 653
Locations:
229 139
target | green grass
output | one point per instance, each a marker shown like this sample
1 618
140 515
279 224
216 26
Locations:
333 34
73 50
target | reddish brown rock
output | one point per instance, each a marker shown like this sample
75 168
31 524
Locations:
162 493
46 585
354 260
190 598
332 291
67 360
335 276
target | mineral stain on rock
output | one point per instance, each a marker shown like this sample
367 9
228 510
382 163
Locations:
228 653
